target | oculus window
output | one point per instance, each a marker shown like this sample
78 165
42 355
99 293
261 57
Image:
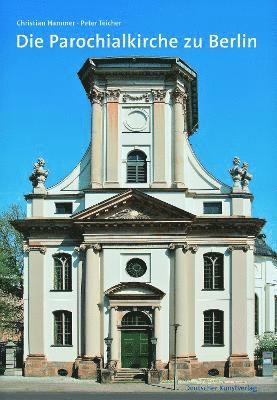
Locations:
136 267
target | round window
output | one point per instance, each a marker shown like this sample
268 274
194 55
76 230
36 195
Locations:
136 267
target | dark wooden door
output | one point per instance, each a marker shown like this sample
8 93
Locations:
134 349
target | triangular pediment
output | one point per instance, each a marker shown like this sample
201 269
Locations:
134 290
133 204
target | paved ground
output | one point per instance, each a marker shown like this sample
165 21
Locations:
64 388
133 396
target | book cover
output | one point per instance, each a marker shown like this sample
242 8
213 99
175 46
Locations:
77 72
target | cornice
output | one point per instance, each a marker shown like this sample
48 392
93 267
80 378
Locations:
215 227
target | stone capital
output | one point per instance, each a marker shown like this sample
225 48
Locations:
193 248
172 246
158 95
41 249
96 247
113 95
179 96
242 247
95 95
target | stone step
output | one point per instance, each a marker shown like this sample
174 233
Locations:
129 375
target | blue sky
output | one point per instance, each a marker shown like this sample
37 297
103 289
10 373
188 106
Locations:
45 112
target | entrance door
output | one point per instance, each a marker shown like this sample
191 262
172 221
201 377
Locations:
134 349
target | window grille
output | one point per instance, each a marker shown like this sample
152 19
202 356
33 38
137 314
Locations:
136 167
62 272
212 207
135 318
62 328
64 208
256 315
213 328
213 271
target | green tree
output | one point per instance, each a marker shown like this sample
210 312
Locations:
266 342
11 269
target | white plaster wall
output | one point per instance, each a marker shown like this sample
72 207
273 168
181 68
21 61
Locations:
29 208
266 289
250 304
177 199
50 209
160 275
205 300
60 301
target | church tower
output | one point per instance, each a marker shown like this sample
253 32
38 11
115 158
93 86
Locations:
142 113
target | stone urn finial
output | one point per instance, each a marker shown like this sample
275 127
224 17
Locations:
240 176
39 176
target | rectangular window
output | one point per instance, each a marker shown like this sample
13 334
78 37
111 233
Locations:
64 208
213 328
212 208
62 328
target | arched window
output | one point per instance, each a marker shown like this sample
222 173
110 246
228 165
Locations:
62 328
136 167
256 314
62 271
213 271
213 328
135 318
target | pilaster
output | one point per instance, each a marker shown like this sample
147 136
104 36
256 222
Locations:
185 311
96 97
114 335
179 99
242 323
92 302
112 138
159 138
36 364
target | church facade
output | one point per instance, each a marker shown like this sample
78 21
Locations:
140 254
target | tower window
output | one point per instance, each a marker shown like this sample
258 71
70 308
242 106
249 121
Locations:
62 272
212 207
136 167
213 271
62 328
63 208
213 328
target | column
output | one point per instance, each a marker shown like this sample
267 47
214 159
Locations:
36 363
114 333
159 139
96 98
242 311
92 301
157 332
112 138
179 130
185 300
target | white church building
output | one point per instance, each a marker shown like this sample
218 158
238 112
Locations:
140 254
